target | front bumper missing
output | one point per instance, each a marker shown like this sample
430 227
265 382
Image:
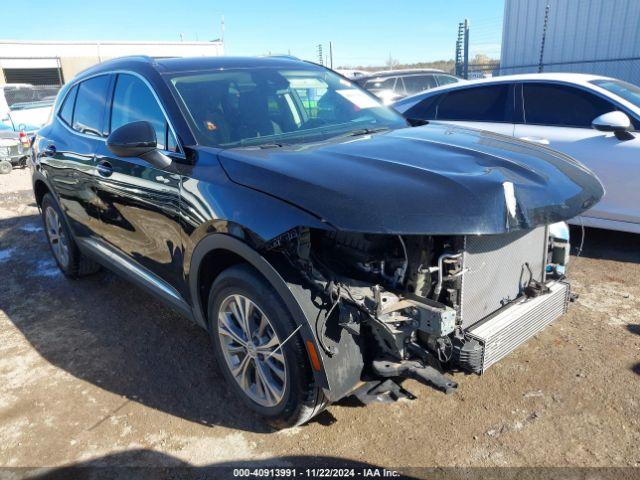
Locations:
513 325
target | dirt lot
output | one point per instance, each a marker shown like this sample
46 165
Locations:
97 371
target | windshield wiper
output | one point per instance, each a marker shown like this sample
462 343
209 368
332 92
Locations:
272 145
366 131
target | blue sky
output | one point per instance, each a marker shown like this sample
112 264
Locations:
362 32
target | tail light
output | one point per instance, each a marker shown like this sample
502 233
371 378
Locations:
24 139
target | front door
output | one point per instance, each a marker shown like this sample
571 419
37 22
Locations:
560 116
140 209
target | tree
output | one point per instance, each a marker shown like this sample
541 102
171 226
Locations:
392 62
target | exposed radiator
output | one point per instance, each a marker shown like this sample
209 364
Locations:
515 324
495 270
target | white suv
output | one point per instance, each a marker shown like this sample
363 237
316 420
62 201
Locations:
588 117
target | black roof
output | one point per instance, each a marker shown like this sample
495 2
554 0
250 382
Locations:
182 64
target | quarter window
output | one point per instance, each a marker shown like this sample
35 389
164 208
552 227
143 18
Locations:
66 112
134 102
483 104
89 111
446 79
559 105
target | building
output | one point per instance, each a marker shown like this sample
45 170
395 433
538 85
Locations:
583 36
54 63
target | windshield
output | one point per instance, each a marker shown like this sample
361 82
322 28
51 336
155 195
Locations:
628 91
229 108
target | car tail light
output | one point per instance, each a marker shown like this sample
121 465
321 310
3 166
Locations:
24 139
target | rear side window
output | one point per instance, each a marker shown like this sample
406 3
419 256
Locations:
560 105
483 104
446 79
133 101
66 112
89 112
419 83
381 84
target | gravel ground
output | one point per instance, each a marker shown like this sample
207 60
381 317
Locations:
96 371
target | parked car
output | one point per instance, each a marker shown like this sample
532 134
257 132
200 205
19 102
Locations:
326 249
27 104
352 73
589 117
392 85
14 144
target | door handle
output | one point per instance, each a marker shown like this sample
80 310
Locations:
540 140
104 168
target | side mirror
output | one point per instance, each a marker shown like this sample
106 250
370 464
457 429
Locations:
417 122
137 139
616 122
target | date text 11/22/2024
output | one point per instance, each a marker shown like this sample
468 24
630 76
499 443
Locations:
365 472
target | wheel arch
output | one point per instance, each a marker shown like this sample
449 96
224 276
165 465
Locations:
40 189
220 251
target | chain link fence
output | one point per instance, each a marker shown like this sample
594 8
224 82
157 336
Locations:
627 69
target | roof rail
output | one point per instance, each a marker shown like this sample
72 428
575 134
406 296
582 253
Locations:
141 58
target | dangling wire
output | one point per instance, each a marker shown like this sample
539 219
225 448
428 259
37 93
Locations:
279 347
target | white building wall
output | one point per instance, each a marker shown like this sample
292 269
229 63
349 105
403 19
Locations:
74 57
589 36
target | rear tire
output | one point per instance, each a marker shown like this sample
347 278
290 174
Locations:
63 247
290 395
5 167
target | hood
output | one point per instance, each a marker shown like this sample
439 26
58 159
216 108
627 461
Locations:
436 179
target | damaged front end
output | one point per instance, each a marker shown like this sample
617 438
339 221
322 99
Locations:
417 305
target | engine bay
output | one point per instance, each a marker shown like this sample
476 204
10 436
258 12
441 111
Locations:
402 296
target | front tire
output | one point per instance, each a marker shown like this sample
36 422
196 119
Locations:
65 251
248 325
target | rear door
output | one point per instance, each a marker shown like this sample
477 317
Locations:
419 83
560 116
139 203
66 152
486 107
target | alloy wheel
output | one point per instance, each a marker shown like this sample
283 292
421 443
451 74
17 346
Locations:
57 236
252 350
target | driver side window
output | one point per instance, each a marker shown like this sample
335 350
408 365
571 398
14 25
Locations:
134 102
561 105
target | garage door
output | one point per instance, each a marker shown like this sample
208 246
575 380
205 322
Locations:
34 76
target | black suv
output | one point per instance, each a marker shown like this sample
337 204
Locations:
326 245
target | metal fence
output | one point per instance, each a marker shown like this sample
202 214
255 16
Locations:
627 69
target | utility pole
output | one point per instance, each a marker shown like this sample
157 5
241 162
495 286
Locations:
320 56
331 55
544 37
466 48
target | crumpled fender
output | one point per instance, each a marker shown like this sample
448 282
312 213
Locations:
338 374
